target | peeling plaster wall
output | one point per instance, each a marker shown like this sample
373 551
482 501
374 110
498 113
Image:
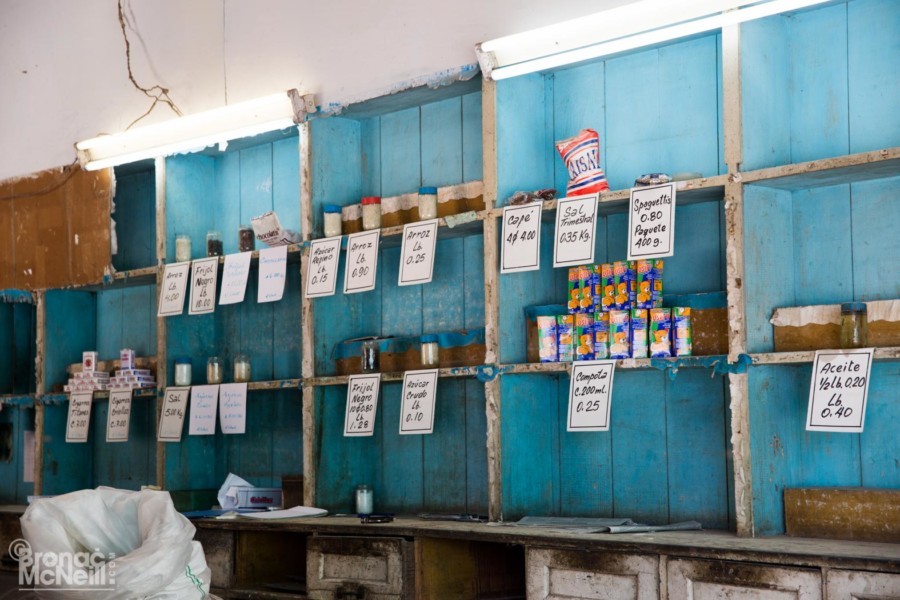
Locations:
63 75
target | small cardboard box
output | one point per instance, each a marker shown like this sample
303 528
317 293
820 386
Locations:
255 497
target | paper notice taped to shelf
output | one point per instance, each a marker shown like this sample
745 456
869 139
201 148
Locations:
171 292
118 416
839 390
576 226
268 230
79 418
419 393
204 405
651 222
362 404
204 275
234 278
233 407
361 267
417 253
321 276
590 395
171 418
521 250
272 273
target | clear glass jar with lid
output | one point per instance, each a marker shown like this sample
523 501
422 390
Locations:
371 212
429 351
427 203
331 220
183 366
182 247
365 501
854 325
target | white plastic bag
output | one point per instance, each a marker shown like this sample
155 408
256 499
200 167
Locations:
149 543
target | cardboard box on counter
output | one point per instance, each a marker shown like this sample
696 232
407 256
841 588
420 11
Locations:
255 497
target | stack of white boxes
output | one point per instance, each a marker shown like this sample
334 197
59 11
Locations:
127 377
90 378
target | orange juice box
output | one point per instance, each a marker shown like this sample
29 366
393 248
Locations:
619 338
547 342
601 335
657 288
681 324
565 336
660 332
643 281
607 292
586 283
573 301
584 337
623 284
639 333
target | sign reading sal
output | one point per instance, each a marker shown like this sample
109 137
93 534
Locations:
651 222
417 254
838 391
576 223
590 391
362 402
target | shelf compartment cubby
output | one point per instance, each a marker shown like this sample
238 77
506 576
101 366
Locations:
135 217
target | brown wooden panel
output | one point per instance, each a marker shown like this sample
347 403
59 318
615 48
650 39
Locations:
7 255
88 206
843 513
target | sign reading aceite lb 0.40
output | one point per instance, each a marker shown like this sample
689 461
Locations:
839 390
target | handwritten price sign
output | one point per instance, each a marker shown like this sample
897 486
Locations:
233 407
204 274
79 418
838 391
321 275
234 278
171 419
576 224
362 403
419 393
272 273
651 222
171 292
362 261
590 391
417 254
521 250
118 416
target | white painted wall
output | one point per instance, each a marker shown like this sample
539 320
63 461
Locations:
62 62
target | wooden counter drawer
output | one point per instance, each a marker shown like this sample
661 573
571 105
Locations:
712 580
861 585
559 574
382 568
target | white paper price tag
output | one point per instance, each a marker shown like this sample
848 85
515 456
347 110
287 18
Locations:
576 224
521 250
321 272
839 390
362 261
171 419
171 293
419 394
590 394
233 407
234 278
79 418
362 404
417 254
204 274
118 416
204 404
651 222
272 273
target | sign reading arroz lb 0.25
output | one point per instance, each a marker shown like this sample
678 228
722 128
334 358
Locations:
171 419
651 222
362 261
521 250
419 393
576 224
321 270
839 390
362 403
590 392
417 254
79 418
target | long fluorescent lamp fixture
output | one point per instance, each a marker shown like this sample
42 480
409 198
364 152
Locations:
195 132
620 29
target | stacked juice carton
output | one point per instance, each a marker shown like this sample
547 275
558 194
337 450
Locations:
615 311
127 377
89 379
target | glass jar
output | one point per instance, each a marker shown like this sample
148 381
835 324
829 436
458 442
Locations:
213 243
241 368
371 212
182 248
429 351
365 500
332 220
427 203
183 371
854 325
246 239
370 357
214 369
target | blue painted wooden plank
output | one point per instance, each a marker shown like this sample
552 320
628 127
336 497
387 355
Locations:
768 261
71 324
617 237
441 144
729 463
401 159
473 260
225 204
585 466
257 337
443 300
720 105
476 448
876 272
402 482
818 86
821 218
472 148
528 445
873 44
879 442
287 423
139 314
286 182
135 218
578 103
370 146
696 434
336 164
286 343
699 255
525 151
250 454
194 337
765 46
256 185
444 451
23 331
110 322
402 307
190 178
7 332
66 467
638 426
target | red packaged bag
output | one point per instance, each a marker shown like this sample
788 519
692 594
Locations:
582 157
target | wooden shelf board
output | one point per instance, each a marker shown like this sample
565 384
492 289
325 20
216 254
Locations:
395 376
275 384
17 399
864 166
796 358
684 362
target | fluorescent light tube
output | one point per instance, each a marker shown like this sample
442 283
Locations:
194 132
618 30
